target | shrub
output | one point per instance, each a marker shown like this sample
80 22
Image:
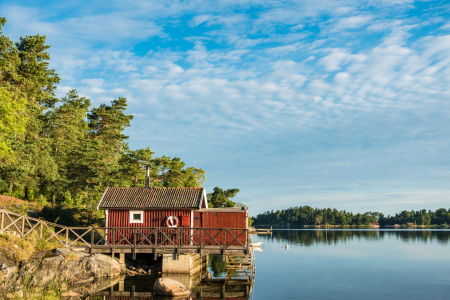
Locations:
68 200
42 244
23 209
41 200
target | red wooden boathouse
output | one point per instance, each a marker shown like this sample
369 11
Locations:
150 207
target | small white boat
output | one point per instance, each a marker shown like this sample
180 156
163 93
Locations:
257 244
286 247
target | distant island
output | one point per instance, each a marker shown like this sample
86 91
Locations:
302 216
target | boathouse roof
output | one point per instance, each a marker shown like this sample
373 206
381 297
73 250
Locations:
153 198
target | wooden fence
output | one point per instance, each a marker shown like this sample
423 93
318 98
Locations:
129 240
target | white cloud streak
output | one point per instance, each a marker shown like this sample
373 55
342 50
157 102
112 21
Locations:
277 82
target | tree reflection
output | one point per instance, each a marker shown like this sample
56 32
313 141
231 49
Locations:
314 237
217 264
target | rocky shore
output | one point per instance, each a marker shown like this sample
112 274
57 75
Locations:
65 267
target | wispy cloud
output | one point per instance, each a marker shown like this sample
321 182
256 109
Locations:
347 95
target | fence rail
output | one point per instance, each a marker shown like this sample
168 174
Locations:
130 239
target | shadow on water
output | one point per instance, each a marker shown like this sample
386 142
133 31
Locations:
335 236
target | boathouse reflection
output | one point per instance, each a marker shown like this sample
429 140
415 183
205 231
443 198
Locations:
230 279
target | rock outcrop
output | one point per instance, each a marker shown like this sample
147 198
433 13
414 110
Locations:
68 266
171 288
8 269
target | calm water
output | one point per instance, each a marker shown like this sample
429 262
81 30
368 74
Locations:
337 264
359 264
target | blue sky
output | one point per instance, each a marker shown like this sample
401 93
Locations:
324 103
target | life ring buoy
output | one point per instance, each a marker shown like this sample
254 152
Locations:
172 221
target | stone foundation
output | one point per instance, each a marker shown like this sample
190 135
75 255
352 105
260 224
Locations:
184 264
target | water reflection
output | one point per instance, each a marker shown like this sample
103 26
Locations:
139 288
362 264
336 236
218 281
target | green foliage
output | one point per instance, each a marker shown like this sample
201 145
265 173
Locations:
72 216
26 80
68 200
42 244
41 200
221 198
306 215
170 172
12 122
23 209
422 217
134 162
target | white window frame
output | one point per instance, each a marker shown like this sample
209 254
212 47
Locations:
141 212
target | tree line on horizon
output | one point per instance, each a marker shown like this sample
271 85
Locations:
65 151
305 215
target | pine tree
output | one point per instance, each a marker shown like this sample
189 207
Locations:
67 128
25 74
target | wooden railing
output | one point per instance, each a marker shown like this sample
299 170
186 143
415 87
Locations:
157 239
24 226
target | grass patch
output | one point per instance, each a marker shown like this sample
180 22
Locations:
51 291
17 249
9 201
72 256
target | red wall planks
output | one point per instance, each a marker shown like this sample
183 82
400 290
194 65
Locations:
218 219
152 217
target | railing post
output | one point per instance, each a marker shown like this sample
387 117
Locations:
40 229
114 242
3 218
246 239
201 239
134 243
23 226
67 236
92 239
155 251
224 238
224 243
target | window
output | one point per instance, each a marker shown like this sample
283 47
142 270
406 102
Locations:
136 216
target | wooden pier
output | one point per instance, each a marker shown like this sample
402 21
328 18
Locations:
152 240
261 230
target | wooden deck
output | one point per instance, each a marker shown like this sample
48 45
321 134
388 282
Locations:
261 230
154 240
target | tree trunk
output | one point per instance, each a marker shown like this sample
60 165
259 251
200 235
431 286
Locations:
27 193
11 187
53 194
136 177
